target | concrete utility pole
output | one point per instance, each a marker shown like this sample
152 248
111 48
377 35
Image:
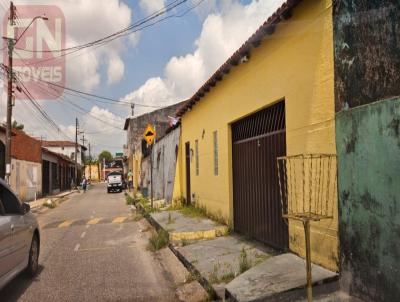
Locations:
11 44
9 95
90 164
83 144
133 109
76 152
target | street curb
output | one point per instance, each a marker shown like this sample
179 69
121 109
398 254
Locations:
192 269
55 199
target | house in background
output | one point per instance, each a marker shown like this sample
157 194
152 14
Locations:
165 153
66 148
58 172
273 97
136 149
26 164
93 172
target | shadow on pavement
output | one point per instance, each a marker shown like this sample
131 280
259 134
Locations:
17 287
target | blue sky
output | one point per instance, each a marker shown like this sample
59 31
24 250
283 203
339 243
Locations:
162 65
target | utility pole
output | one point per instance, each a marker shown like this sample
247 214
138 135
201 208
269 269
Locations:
9 95
11 44
76 152
90 164
83 144
133 109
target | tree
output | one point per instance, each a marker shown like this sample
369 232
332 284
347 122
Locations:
17 126
105 154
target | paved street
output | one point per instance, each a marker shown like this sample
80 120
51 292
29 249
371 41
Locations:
92 250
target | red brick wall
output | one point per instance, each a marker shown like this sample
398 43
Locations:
24 147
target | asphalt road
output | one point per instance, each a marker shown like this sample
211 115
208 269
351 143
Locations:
92 250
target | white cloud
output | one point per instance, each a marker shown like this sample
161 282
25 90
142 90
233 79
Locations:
115 70
221 35
151 6
86 21
102 128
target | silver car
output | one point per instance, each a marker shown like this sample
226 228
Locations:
19 237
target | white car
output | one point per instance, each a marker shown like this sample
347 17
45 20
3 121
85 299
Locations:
19 237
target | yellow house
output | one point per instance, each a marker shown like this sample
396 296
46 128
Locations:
273 97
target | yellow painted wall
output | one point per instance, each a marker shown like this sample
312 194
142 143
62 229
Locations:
94 170
295 64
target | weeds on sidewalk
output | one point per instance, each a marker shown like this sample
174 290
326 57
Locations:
201 212
170 219
50 204
158 240
216 278
138 217
244 261
129 199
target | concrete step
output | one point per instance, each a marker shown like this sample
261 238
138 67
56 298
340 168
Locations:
280 278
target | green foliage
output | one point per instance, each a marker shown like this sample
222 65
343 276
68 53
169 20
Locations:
227 277
158 240
105 154
129 199
201 212
16 125
213 276
170 219
244 261
185 242
50 205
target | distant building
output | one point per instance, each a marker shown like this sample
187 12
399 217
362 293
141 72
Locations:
136 149
66 148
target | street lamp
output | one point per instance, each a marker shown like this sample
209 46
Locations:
11 43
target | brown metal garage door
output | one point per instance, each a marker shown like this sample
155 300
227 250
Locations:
257 141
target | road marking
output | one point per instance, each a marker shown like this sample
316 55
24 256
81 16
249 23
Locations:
77 247
119 220
83 234
94 221
65 224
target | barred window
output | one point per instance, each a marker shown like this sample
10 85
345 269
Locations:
196 146
215 137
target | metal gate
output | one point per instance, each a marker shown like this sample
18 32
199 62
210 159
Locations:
257 141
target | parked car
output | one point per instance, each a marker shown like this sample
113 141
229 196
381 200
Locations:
19 237
114 182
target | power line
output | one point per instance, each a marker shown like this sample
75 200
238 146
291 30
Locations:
107 38
127 31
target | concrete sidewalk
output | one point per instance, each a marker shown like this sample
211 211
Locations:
181 227
235 268
39 202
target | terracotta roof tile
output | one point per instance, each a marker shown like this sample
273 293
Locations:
267 28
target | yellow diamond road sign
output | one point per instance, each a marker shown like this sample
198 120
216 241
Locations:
149 134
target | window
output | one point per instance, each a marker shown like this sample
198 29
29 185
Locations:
196 150
215 138
10 203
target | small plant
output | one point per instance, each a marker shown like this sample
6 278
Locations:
170 219
244 262
192 276
185 242
213 276
129 199
49 204
158 240
227 277
138 217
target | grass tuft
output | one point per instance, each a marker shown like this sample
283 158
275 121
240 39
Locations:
244 261
158 240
